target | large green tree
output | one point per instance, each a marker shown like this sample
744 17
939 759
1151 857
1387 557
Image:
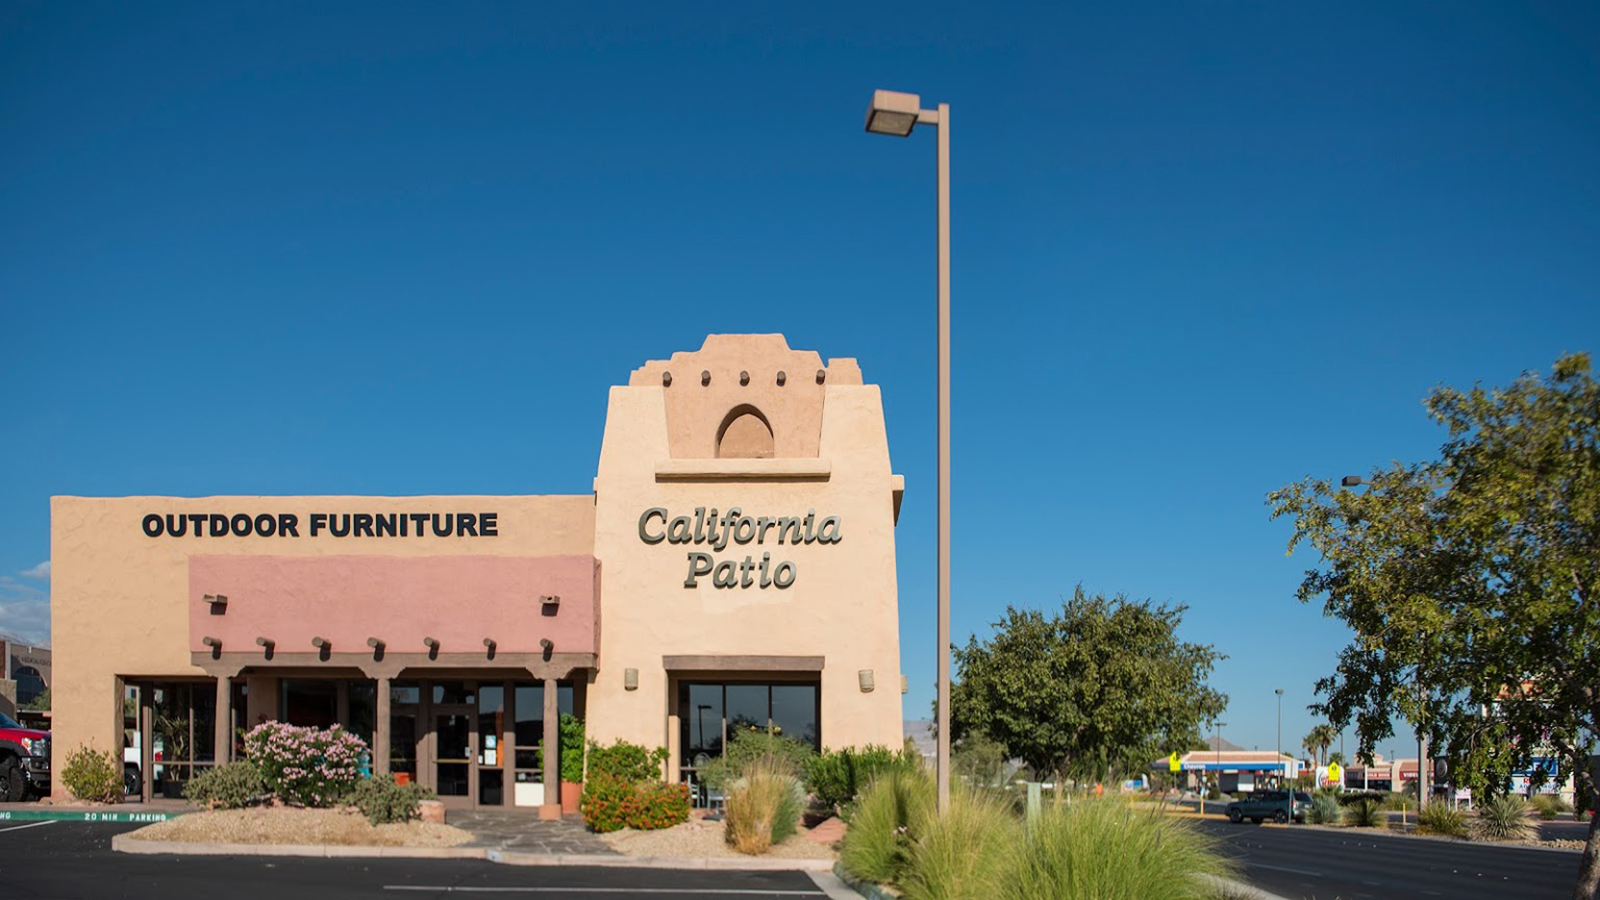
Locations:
1470 582
1098 689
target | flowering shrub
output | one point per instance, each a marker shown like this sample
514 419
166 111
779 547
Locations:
305 766
609 803
623 790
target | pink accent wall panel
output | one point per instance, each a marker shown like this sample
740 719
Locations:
459 600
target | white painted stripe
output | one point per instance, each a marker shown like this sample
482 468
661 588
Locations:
731 892
29 825
1255 865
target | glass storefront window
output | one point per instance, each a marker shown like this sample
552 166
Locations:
709 710
452 692
310 703
794 713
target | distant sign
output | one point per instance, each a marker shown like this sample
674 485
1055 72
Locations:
1335 773
1174 762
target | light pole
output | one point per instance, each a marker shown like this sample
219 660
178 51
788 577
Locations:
1279 760
1422 695
894 113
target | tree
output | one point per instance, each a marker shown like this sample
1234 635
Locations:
1100 688
1320 738
1470 582
1336 757
40 702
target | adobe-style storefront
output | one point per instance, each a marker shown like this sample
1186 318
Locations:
733 570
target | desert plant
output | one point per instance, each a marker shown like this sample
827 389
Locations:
623 789
877 847
1106 848
1548 806
964 854
838 777
305 766
1442 819
382 800
1366 813
93 775
745 746
1503 818
625 762
1325 810
764 804
232 786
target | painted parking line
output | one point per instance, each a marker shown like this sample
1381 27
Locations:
29 825
731 892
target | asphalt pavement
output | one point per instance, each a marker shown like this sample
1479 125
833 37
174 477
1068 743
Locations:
73 861
1300 862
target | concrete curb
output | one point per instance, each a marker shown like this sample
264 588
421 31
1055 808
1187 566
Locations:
122 843
866 889
765 864
1241 889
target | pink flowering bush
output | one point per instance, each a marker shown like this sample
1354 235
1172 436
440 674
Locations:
305 766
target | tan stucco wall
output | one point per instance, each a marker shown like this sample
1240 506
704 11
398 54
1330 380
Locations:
843 603
120 599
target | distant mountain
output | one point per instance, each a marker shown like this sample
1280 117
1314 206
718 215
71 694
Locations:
920 731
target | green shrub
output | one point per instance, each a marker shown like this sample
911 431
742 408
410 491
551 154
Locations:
1548 806
1106 848
623 789
625 762
1503 818
877 846
610 803
1325 810
1366 813
233 786
763 805
965 854
745 747
838 777
1441 819
93 775
382 800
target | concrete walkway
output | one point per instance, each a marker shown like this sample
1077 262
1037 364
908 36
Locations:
522 831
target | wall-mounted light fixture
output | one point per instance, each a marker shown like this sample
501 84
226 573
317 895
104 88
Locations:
905 686
865 678
630 679
219 602
321 643
211 642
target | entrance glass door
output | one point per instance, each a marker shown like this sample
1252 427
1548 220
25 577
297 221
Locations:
453 756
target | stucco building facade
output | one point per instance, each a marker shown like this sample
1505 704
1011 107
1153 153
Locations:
732 570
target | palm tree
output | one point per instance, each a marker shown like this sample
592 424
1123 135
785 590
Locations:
1320 738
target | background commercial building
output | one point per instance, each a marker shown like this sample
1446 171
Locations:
732 570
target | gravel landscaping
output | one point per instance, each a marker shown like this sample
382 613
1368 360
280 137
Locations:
284 825
700 838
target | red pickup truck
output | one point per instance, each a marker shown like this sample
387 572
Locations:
24 761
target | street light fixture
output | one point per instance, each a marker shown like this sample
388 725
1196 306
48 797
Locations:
896 114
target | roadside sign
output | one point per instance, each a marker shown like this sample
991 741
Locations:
1174 761
1335 773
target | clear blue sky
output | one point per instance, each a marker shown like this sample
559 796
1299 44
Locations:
1200 250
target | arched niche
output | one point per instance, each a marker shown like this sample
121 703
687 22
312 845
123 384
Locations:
745 434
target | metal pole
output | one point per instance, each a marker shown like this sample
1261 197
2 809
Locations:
1422 748
943 765
1281 770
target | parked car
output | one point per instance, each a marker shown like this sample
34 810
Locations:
1279 806
24 760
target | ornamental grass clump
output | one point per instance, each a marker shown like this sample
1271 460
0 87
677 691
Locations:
305 766
1105 848
877 846
1548 806
763 807
1443 820
1325 810
1503 818
965 854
